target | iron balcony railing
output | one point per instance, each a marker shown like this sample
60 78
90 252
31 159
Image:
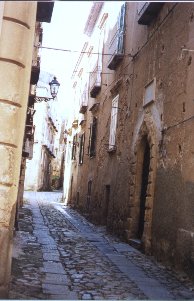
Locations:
95 81
84 101
148 12
116 50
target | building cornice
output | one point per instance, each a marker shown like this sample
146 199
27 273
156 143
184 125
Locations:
92 18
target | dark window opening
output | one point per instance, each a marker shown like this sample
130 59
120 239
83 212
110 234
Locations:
92 138
74 148
81 150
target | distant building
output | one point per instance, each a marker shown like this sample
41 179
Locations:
47 149
131 142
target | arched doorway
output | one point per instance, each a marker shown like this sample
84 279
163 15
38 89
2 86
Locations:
144 173
143 163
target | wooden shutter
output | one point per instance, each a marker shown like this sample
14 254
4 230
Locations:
121 28
113 123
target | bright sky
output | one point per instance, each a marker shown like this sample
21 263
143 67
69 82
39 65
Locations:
65 31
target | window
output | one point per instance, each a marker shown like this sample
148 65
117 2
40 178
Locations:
116 46
74 148
90 51
149 95
121 28
80 72
81 150
148 11
92 138
113 124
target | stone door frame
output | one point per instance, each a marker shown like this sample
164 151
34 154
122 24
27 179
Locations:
148 130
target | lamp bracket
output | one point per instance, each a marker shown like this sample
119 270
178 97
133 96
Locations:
40 99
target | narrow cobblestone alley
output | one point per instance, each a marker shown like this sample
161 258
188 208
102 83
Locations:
59 255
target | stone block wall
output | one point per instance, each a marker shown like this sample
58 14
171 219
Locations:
16 45
152 53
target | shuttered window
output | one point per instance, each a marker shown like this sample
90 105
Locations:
92 138
113 124
81 150
120 29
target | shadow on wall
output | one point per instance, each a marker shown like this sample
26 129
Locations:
173 219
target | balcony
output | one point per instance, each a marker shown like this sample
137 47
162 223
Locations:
29 131
81 120
44 11
95 81
94 108
116 50
75 124
149 12
49 147
35 72
27 151
84 102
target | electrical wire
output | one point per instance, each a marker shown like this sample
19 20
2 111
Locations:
78 51
176 124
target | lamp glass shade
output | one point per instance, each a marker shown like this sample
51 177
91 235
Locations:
54 87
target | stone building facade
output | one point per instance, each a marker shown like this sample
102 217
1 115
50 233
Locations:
43 168
133 167
17 31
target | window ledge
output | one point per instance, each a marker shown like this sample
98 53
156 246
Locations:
148 103
112 149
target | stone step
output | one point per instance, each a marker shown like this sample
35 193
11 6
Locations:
135 243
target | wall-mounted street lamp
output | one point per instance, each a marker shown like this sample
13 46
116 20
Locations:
54 88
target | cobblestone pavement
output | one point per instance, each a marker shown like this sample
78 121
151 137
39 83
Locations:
59 255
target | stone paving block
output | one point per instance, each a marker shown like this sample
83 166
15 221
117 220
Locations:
86 296
55 289
51 257
49 248
43 234
94 237
118 259
70 296
53 267
120 247
56 279
152 292
103 247
38 221
40 225
46 240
